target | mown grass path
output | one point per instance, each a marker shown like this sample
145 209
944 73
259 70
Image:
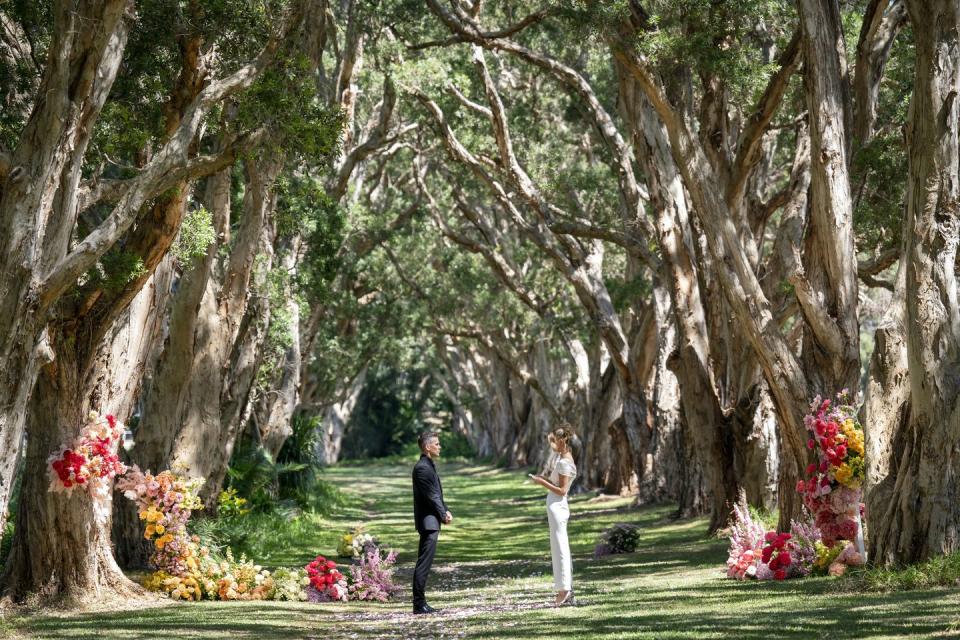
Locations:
492 579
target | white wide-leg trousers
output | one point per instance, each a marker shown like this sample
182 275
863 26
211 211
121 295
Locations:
558 512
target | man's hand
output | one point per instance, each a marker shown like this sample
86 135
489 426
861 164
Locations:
447 518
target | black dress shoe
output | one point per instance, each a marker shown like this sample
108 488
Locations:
424 609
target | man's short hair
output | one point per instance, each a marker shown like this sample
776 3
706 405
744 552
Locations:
425 437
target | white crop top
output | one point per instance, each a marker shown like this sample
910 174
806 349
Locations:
561 467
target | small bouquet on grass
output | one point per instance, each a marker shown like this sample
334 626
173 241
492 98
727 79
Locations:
326 582
356 544
241 580
746 542
620 538
290 584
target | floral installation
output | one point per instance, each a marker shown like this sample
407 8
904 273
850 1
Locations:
833 488
186 570
831 540
164 503
806 536
372 578
326 582
91 463
775 555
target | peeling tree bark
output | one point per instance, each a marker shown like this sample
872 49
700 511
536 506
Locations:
923 515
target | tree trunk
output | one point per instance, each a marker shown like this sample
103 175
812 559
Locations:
886 408
707 429
335 420
59 550
923 516
80 69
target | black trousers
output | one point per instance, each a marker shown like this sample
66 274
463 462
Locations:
428 547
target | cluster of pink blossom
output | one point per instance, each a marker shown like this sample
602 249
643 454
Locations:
806 535
165 502
91 463
746 543
372 578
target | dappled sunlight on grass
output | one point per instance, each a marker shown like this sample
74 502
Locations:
492 579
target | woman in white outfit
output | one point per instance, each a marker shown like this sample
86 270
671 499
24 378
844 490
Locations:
560 471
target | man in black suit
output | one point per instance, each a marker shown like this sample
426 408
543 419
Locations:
429 510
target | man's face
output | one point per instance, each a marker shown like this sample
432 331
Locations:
432 447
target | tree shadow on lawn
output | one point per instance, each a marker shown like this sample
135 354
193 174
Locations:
694 614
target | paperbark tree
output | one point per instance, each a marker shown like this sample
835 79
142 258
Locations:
79 324
922 519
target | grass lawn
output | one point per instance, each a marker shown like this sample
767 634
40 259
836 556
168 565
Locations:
491 579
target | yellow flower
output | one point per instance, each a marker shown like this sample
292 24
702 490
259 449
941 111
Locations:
843 473
150 530
160 529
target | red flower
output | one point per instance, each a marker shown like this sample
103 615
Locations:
824 466
811 444
811 468
111 420
801 486
780 574
770 536
784 559
842 451
331 564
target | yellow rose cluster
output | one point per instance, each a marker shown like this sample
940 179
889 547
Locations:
851 472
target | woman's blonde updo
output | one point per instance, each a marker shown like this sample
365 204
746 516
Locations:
563 435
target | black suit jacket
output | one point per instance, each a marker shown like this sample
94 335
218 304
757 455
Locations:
429 508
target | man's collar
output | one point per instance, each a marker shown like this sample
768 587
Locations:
429 459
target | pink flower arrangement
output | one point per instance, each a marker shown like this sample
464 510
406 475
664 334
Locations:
91 463
746 542
372 578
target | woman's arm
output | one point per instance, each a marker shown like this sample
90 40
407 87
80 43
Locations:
560 488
